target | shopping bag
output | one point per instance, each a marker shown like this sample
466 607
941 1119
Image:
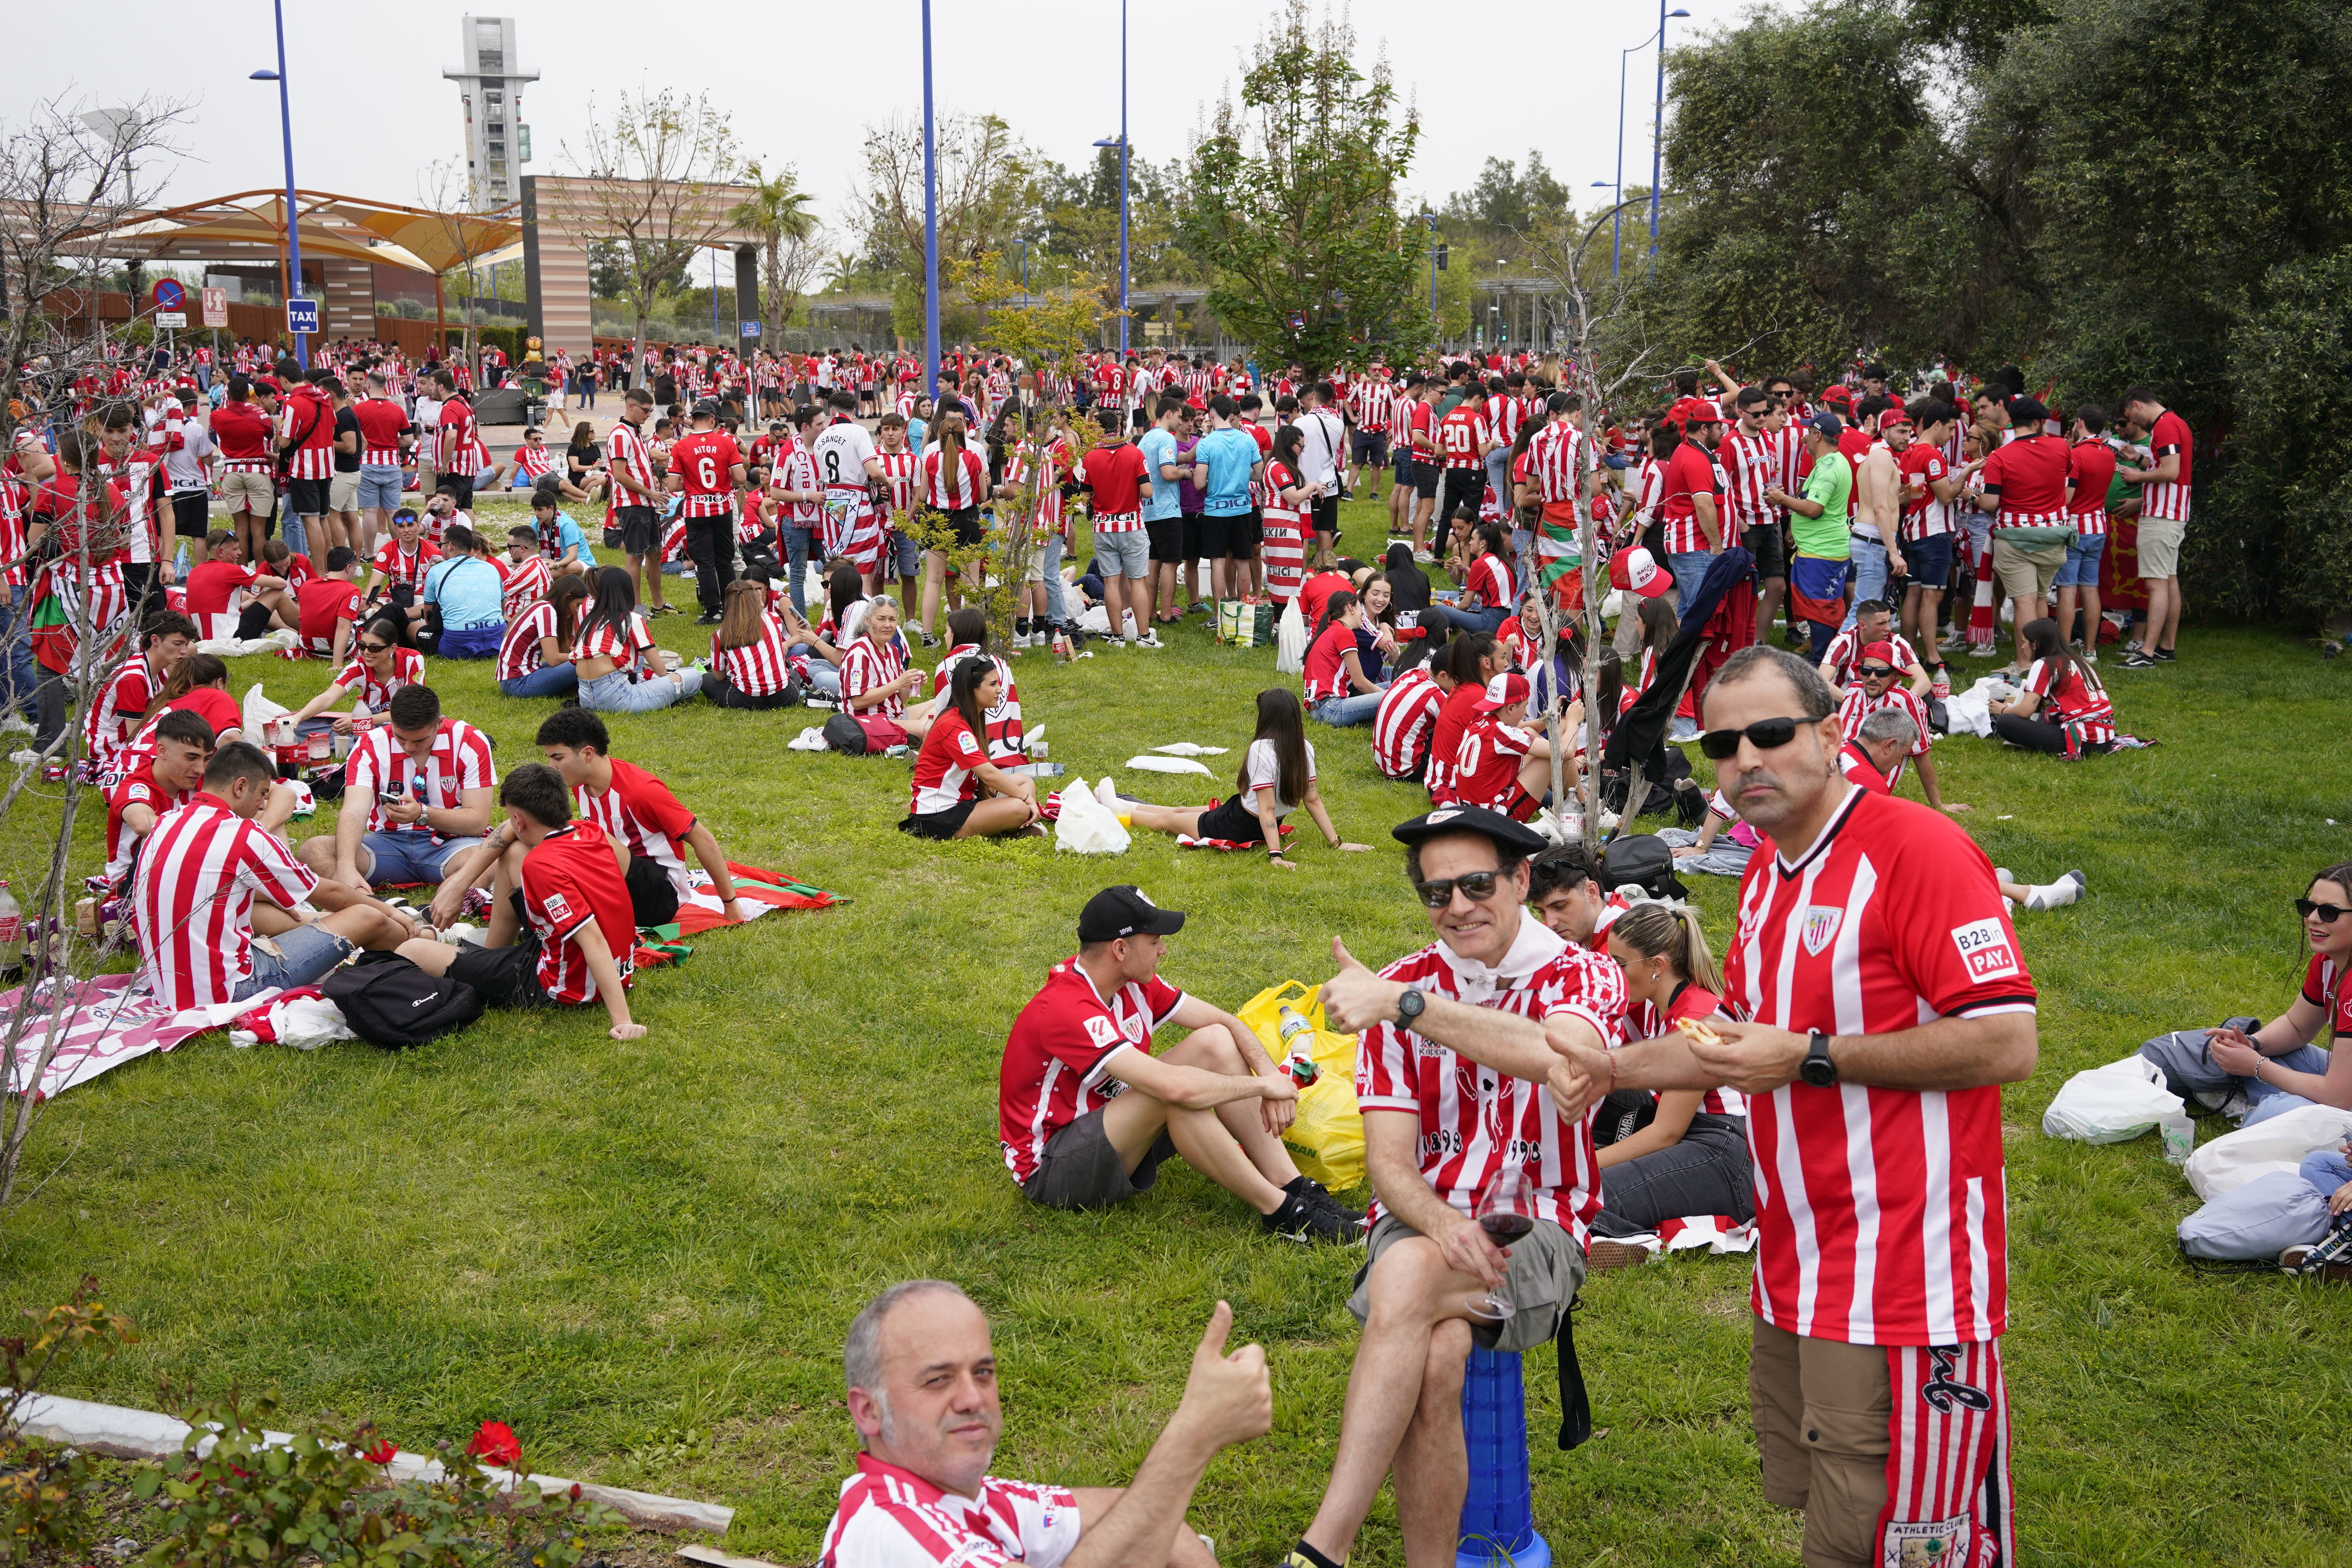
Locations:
259 712
1328 1138
1086 825
2111 1103
2235 1159
1245 624
1290 641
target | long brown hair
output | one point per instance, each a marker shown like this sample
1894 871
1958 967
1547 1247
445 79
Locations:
1671 932
1280 721
951 459
566 595
197 669
744 614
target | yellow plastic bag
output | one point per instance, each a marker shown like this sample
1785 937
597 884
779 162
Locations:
1328 1138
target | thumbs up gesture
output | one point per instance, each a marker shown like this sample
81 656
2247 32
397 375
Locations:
1228 1399
1355 998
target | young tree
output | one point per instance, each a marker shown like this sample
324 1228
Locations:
988 197
1292 203
653 163
791 243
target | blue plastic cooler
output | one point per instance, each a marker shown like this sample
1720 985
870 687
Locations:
1498 1525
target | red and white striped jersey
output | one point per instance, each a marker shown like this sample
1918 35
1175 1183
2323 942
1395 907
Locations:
459 761
625 453
1487 581
1925 516
898 478
192 900
518 651
1860 705
1847 646
622 645
1643 1022
307 422
1750 466
1559 457
1003 721
866 666
1500 423
891 1518
757 669
947 768
1473 1120
383 422
2072 701
2170 435
951 486
704 463
404 567
1880 1213
1055 1058
1373 404
1400 727
356 677
795 470
2090 471
569 879
458 448
535 460
110 723
526 583
639 810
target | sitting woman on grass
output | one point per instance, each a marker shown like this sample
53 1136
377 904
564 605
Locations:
1276 777
199 686
1488 591
2061 707
380 668
535 659
2276 1067
958 792
1336 687
750 653
875 679
620 670
1690 1155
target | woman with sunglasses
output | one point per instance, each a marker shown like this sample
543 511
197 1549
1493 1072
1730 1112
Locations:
379 669
2277 1067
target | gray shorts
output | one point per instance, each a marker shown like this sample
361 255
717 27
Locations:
1123 554
1082 1171
1546 1271
379 487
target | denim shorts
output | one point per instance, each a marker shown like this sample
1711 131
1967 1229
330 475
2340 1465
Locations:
2082 568
298 958
410 856
907 554
1928 561
1129 552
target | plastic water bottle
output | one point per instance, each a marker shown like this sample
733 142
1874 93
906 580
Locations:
2179 1135
180 564
1296 1033
12 931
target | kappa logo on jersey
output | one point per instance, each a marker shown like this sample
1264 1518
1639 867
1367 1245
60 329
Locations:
1102 1031
1821 922
1985 948
558 907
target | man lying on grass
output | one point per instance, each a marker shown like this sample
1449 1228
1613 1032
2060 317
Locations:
1085 1112
561 930
923 1393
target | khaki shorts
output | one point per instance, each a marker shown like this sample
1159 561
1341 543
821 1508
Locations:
2026 573
343 492
1546 1271
256 493
2160 547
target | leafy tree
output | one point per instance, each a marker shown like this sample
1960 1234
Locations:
988 197
1291 203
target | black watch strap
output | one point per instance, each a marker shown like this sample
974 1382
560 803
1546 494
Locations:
1410 1004
1818 1069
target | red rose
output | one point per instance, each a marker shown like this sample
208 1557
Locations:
381 1453
495 1443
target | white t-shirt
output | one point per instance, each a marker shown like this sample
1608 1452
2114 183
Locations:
1264 772
841 451
1325 439
428 416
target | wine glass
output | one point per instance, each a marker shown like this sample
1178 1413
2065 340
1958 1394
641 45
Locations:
1506 1212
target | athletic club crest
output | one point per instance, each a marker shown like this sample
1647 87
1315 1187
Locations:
1820 927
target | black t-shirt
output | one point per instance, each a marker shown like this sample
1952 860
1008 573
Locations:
585 456
666 389
347 424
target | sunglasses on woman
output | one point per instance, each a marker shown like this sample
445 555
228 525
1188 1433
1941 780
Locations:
1765 735
1476 885
2329 913
375 647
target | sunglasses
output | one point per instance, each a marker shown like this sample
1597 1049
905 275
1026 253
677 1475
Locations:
375 647
1765 735
2329 913
1476 885
1877 669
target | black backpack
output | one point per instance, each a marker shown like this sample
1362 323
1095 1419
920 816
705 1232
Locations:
388 1001
1640 860
844 734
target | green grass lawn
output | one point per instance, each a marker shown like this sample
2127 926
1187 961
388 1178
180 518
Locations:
644 1255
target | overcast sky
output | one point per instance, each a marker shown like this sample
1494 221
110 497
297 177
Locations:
371 109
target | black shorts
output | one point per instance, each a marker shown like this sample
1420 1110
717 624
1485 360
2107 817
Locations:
309 497
938 824
1205 536
1232 818
460 486
1082 1171
192 513
965 520
503 976
640 531
1770 550
1465 491
1166 534
1244 535
1425 478
1326 514
1372 446
653 897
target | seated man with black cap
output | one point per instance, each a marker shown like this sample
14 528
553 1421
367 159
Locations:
1491 1004
1085 1112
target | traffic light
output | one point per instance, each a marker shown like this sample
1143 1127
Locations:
1440 257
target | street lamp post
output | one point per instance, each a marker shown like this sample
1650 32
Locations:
930 226
1120 143
1617 187
285 135
1657 124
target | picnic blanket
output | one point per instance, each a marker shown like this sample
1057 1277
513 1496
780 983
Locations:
100 1024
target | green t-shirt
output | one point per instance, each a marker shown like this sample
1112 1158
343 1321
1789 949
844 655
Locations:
1826 537
1448 398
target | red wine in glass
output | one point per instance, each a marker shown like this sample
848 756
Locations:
1504 1226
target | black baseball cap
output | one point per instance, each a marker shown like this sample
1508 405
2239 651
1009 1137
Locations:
1126 911
1513 840
707 409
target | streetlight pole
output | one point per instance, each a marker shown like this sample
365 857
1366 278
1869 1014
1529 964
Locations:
1123 318
285 135
1617 187
1658 126
930 226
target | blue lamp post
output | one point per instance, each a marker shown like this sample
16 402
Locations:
1657 124
285 135
1617 188
930 225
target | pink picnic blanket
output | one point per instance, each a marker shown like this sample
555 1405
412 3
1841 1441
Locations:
98 1024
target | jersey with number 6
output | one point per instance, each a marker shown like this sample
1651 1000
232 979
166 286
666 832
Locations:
702 460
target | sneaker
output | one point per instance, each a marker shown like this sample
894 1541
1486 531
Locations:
2138 661
1423 558
707 618
1602 1254
663 610
2331 1259
1313 1192
2090 656
16 724
2165 656
928 640
1305 1221
1149 639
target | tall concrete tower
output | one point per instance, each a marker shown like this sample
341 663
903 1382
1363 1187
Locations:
498 144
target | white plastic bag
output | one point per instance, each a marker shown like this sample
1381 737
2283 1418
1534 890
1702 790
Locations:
1150 763
2110 1104
1291 640
2233 1159
259 712
1188 749
1088 826
811 740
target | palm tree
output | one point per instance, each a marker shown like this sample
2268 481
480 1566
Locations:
778 211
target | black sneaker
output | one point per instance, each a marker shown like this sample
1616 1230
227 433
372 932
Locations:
1304 1221
2138 661
1314 1193
707 618
2165 656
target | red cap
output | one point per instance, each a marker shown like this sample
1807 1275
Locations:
1501 692
1838 392
1891 417
1688 411
1882 651
267 384
1637 572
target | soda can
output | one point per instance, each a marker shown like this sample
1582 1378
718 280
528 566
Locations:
53 771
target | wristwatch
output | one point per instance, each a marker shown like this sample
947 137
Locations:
1410 1003
1818 1069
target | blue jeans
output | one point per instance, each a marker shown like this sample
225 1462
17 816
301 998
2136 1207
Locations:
410 856
473 642
290 529
2272 1100
1049 563
2326 1171
823 678
1439 618
796 558
20 678
616 693
1341 711
2082 568
1869 576
1689 567
547 680
298 958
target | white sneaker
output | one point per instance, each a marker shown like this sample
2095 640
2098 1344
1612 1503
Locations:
1104 794
1424 557
24 757
1149 639
15 725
